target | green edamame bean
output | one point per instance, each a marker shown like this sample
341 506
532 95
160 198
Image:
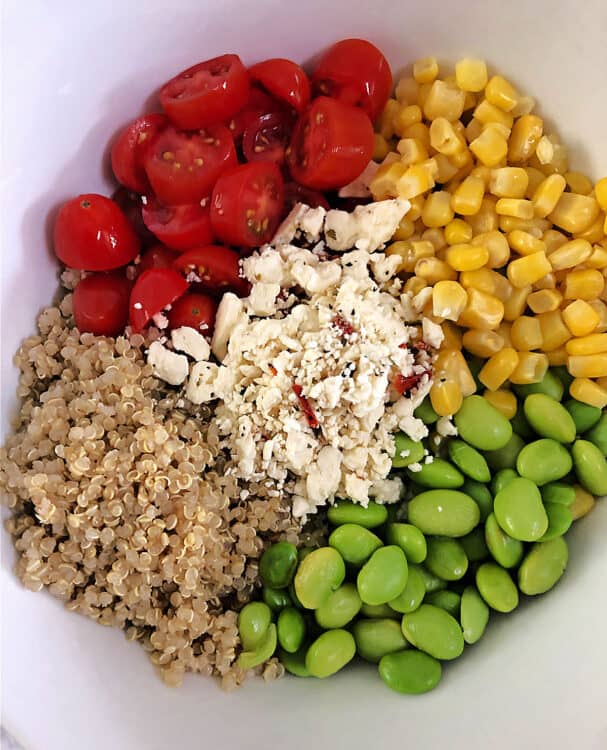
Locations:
425 412
520 425
502 479
474 545
431 582
291 629
558 492
413 594
519 510
469 461
438 474
320 573
376 638
276 599
295 663
505 458
384 576
584 415
446 559
410 672
277 565
330 652
496 587
474 615
543 566
354 543
447 600
549 418
410 539
482 425
407 451
544 461
563 374
379 611
340 608
443 513
481 496
253 622
590 467
550 385
505 550
434 631
560 519
345 511
264 651
598 435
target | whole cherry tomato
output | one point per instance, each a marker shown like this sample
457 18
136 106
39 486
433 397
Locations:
130 147
101 304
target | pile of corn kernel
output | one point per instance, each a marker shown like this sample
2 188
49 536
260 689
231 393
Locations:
508 246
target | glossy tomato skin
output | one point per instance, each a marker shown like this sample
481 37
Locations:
157 256
179 227
152 292
355 72
207 93
101 304
214 268
331 145
285 80
182 167
267 137
295 193
130 147
259 103
194 310
91 233
247 204
131 205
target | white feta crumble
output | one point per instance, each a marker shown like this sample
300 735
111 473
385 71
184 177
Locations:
201 383
367 227
190 342
445 427
166 365
387 491
230 313
415 467
432 333
160 320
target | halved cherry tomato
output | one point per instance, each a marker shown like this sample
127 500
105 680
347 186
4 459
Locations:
295 193
129 148
152 292
355 72
101 304
247 204
131 205
213 268
331 145
158 256
194 310
179 227
267 138
259 103
92 234
207 93
285 80
183 167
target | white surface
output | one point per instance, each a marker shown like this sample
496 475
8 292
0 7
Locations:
73 73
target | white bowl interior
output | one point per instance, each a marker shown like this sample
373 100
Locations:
73 74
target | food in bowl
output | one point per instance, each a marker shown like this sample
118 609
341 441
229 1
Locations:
275 423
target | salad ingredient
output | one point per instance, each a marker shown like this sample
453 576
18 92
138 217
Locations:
412 595
496 587
369 516
263 652
284 80
213 268
291 629
434 631
504 549
101 304
178 227
409 538
196 311
341 606
543 566
474 615
444 513
266 138
377 637
549 418
254 620
410 672
446 558
277 565
129 150
318 574
544 461
482 425
590 466
383 577
157 256
153 291
519 510
354 542
330 652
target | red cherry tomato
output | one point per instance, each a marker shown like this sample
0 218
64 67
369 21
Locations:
179 227
295 193
355 72
101 304
157 256
259 103
214 268
267 138
331 145
285 80
183 167
207 93
194 310
152 292
131 205
129 149
247 204
92 234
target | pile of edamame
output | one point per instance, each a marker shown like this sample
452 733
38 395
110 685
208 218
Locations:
409 586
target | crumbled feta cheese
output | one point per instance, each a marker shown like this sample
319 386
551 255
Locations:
160 320
360 187
288 229
166 365
385 267
432 333
230 313
387 490
201 383
422 298
311 223
445 427
262 299
189 341
415 467
367 227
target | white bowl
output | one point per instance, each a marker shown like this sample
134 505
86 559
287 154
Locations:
74 73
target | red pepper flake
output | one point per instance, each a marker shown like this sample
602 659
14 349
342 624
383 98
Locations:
405 383
340 322
305 406
422 346
272 369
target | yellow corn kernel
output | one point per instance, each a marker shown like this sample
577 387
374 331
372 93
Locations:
545 300
422 94
384 183
600 308
559 161
524 106
385 122
416 180
473 129
425 70
595 343
445 169
496 244
463 161
504 401
557 357
499 368
433 270
588 392
468 197
602 382
526 333
548 194
484 173
443 137
381 147
571 254
580 319
458 231
584 284
595 232
516 303
536 177
534 227
554 331
412 151
446 397
405 117
549 281
553 239
486 219
486 113
483 311
544 151
504 331
600 191
490 147
414 285
390 158
528 269
420 131
444 100
531 368
417 206
405 229
471 74
437 210
488 281
466 257
508 182
451 364
518 207
582 505
574 213
482 343
525 243
588 366
470 101
452 335
406 90
436 236
579 183
524 138
411 252
502 93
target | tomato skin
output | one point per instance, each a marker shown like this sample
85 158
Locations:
331 145
207 93
130 147
195 311
295 193
157 256
259 103
131 205
285 80
355 72
217 269
267 138
101 304
247 204
152 292
92 234
179 227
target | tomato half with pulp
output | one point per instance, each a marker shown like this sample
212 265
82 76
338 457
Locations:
92 234
131 205
214 268
195 311
207 93
285 80
130 147
101 304
295 193
179 227
331 145
157 256
355 72
267 137
247 204
259 103
152 292
183 167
